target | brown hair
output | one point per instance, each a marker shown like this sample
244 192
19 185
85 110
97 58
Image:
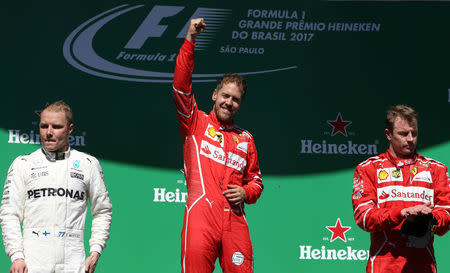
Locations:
233 78
60 106
402 111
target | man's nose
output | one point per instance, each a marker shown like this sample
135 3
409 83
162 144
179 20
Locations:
409 137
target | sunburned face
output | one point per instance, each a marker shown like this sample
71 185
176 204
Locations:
55 131
403 139
227 102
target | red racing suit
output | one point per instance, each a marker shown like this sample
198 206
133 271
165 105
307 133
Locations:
382 187
215 155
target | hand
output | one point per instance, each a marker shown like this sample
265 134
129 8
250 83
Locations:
91 262
235 194
417 210
196 27
19 266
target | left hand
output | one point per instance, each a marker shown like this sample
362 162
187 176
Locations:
417 210
235 194
91 262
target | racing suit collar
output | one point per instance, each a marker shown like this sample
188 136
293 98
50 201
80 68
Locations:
400 162
222 126
53 156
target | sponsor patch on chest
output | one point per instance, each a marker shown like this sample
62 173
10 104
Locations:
77 175
242 146
214 134
218 155
55 192
401 193
39 174
424 176
389 174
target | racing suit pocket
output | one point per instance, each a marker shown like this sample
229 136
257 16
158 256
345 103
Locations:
74 254
38 254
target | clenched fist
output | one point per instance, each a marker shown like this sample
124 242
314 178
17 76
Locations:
196 27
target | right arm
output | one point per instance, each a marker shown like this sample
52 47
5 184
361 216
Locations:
182 83
11 213
368 216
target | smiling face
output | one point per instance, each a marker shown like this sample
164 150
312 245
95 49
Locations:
227 102
402 138
55 130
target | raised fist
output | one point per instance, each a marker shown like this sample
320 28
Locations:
196 27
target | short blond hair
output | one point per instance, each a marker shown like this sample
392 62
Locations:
60 106
401 111
233 78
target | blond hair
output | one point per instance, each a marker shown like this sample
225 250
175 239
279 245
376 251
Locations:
233 78
60 106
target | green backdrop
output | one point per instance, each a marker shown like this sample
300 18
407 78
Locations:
321 75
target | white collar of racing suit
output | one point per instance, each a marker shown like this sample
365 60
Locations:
53 156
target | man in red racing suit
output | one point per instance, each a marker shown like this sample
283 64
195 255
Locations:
221 171
389 188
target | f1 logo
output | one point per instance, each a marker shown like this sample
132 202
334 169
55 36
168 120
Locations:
150 27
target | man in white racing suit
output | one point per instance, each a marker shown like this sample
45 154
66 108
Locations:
47 191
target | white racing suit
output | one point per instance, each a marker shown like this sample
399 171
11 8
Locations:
49 192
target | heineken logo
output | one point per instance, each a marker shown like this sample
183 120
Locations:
338 252
323 253
19 136
338 142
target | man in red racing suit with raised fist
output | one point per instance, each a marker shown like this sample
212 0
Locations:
403 199
221 170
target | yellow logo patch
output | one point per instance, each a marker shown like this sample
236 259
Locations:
212 132
383 175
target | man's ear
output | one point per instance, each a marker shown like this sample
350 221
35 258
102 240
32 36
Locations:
214 95
388 134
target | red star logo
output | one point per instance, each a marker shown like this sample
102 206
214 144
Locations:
338 231
339 125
